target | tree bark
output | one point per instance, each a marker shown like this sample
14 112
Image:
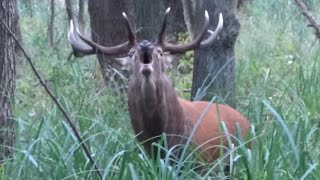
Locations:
214 67
69 10
70 14
51 28
81 15
149 15
108 28
8 13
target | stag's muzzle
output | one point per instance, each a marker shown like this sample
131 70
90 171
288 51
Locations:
145 52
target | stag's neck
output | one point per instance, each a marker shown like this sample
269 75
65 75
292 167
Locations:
154 109
149 97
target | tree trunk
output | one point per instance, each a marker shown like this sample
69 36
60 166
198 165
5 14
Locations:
214 67
81 15
146 16
8 13
52 17
108 28
70 14
69 10
149 15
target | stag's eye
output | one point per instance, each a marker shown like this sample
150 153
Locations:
130 54
160 52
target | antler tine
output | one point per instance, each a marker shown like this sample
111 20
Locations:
163 27
213 34
79 48
83 46
179 49
131 35
114 50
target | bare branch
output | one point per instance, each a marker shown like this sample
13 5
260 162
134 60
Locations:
65 114
314 23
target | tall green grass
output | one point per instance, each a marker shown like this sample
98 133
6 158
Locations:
278 82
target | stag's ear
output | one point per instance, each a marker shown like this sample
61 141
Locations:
124 62
169 59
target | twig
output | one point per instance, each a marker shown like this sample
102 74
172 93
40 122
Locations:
314 23
70 55
68 119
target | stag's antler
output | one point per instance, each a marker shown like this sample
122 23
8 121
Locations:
197 42
83 46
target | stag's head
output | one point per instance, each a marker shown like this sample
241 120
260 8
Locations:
145 59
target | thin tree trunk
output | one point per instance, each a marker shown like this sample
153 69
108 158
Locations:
8 13
214 67
52 18
69 9
189 10
81 15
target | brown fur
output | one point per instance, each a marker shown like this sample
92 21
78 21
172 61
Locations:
155 109
209 130
153 104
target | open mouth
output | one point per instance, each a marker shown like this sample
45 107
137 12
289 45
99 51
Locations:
146 64
146 59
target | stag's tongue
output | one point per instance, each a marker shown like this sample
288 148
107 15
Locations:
146 69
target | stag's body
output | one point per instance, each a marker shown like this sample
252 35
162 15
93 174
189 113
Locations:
166 113
156 113
154 107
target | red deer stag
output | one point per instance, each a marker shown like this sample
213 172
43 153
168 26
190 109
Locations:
154 106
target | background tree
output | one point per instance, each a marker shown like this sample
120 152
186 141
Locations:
149 15
52 18
107 26
214 67
9 16
69 9
81 15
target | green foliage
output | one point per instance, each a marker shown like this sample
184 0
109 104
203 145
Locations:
278 80
181 71
277 83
